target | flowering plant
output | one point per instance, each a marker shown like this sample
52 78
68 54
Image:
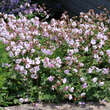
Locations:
64 60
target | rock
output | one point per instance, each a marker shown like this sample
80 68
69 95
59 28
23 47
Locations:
61 106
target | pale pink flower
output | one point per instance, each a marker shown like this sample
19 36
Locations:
71 42
66 88
50 78
33 76
108 60
50 65
47 52
93 41
95 80
66 71
81 64
102 42
84 85
90 70
82 79
58 60
11 54
32 50
36 68
75 70
26 100
105 70
64 80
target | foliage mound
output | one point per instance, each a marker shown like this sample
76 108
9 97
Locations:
66 60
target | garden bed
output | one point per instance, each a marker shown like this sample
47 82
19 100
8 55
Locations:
63 60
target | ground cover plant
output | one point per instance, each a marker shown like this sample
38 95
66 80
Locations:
64 60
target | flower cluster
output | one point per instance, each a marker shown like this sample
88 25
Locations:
25 7
66 57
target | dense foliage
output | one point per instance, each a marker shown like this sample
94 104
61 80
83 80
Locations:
64 60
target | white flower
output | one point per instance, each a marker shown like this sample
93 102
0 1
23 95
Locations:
16 53
108 52
101 53
77 44
50 78
94 47
108 60
21 68
32 70
101 83
25 72
32 50
11 54
70 97
101 36
75 70
82 79
72 89
102 42
94 79
37 60
21 100
96 56
98 70
27 66
86 49
74 24
71 51
33 76
71 42
8 48
18 61
58 65
105 37
81 64
86 17
23 52
83 94
64 80
93 41
90 70
76 50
